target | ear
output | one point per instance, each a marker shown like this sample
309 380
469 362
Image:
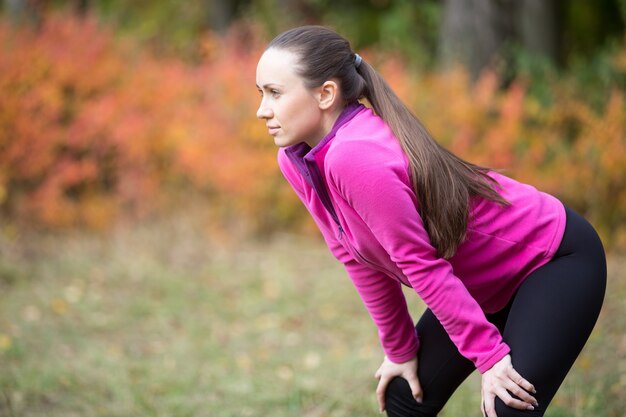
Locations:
328 95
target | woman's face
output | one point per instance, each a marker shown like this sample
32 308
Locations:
290 110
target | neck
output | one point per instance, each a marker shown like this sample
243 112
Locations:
329 118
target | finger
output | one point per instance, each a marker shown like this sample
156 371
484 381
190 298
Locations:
489 405
416 388
380 392
516 390
521 381
377 374
513 402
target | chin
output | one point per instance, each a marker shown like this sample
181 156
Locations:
283 142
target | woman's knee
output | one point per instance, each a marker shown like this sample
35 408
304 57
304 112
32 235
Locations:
399 401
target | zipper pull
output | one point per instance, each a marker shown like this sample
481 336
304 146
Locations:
339 236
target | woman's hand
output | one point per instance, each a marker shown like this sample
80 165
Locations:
502 381
388 370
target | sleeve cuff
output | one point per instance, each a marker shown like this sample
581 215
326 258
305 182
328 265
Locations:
406 356
503 350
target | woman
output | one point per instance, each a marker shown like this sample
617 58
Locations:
512 279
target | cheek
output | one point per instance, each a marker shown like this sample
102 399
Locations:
308 122
305 116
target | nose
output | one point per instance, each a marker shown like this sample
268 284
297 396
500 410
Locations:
264 112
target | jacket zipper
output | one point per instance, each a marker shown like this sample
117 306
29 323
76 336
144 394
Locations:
340 234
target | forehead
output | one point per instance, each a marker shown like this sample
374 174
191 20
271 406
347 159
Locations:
277 66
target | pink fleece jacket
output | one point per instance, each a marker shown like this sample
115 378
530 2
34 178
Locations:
356 185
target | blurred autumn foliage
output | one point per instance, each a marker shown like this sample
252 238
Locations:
93 127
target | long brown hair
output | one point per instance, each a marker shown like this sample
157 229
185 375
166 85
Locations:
443 182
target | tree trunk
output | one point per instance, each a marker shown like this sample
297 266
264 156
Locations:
221 14
82 7
24 11
474 32
540 28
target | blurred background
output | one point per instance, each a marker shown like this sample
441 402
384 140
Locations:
153 261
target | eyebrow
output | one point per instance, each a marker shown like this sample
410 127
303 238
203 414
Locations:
269 85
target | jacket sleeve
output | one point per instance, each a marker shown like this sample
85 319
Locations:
381 295
374 181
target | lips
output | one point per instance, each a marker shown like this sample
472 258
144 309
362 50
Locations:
272 129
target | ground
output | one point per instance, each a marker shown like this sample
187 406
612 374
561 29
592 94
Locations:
157 319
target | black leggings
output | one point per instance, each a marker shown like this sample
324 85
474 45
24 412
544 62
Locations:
546 324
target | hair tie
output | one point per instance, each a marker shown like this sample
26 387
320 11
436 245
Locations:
357 60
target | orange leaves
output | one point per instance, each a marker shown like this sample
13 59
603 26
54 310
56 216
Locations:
502 136
599 165
91 127
610 135
50 75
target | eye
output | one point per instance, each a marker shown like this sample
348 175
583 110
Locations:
260 92
275 93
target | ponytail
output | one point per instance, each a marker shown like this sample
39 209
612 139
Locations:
443 182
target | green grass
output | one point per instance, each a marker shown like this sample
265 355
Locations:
158 320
